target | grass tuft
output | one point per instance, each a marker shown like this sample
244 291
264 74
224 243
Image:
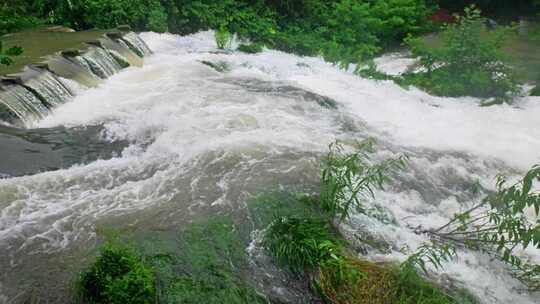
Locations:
301 243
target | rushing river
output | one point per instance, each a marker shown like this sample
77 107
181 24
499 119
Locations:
192 142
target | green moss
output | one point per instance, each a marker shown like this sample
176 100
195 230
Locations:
269 206
252 48
204 263
119 275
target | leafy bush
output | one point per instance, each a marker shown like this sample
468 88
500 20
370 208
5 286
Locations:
252 48
468 63
5 55
118 276
349 178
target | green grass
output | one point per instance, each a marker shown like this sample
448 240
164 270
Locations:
40 42
266 207
301 244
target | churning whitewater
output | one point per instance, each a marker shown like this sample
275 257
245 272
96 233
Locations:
203 142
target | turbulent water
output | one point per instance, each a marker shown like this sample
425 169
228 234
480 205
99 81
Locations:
203 142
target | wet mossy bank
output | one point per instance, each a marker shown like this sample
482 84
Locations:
224 260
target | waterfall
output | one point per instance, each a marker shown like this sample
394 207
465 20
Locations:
99 62
31 93
23 103
122 49
203 143
135 43
49 88
72 69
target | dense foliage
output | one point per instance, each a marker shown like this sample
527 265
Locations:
5 55
469 61
345 31
117 276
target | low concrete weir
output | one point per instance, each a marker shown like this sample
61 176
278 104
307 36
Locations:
28 96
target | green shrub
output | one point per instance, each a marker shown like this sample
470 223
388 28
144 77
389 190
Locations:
348 178
251 48
117 276
6 55
223 38
468 63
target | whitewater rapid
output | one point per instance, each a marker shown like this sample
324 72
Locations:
202 142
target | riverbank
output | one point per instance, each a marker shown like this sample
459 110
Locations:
41 42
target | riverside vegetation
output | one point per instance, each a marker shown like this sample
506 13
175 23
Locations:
205 261
301 232
344 32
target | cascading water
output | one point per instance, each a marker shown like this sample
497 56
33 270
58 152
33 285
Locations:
204 142
135 43
29 94
99 62
23 103
49 88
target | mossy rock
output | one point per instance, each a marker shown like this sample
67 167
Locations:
204 263
220 66
252 48
71 53
124 28
114 35
97 43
